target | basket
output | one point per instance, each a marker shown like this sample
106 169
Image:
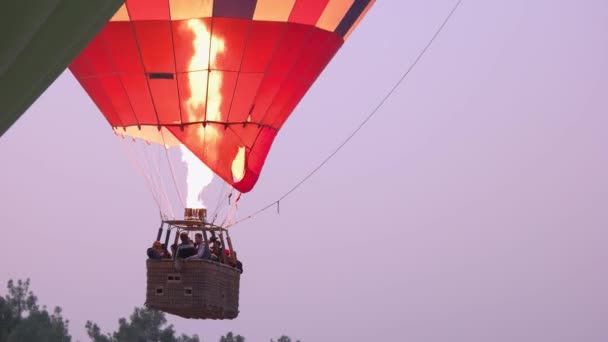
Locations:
200 289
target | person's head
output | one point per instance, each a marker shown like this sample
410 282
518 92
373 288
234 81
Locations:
213 239
184 237
198 238
156 245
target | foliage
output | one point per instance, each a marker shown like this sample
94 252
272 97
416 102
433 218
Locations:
231 338
284 338
144 325
21 319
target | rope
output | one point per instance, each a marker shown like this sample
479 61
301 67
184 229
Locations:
229 219
147 166
179 193
164 193
373 112
135 161
144 151
147 150
219 204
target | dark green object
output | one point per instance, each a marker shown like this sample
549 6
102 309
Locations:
38 40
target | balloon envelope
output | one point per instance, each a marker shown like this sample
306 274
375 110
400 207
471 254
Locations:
220 77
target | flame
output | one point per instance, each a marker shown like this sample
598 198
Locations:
204 86
205 97
199 176
238 165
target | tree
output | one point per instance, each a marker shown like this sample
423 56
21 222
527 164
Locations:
144 325
283 338
231 338
21 319
8 320
95 333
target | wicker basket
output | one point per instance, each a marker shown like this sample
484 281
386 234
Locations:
193 289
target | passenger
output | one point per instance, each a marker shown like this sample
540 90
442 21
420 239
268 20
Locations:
185 249
185 240
226 257
239 264
216 249
202 250
155 252
198 238
166 254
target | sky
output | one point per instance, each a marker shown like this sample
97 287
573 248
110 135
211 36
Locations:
472 207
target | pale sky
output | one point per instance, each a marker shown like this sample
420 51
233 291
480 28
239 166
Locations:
471 208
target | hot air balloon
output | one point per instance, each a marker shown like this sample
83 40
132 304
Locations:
217 78
38 39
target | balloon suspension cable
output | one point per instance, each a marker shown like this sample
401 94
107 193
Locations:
155 159
179 194
155 177
162 182
220 204
371 114
131 154
229 220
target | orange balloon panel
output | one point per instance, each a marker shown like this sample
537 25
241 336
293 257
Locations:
222 76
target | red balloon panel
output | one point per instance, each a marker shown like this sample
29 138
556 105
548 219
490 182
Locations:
223 85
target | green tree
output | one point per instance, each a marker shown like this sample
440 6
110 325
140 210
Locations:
8 320
21 318
283 338
95 333
230 337
144 325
